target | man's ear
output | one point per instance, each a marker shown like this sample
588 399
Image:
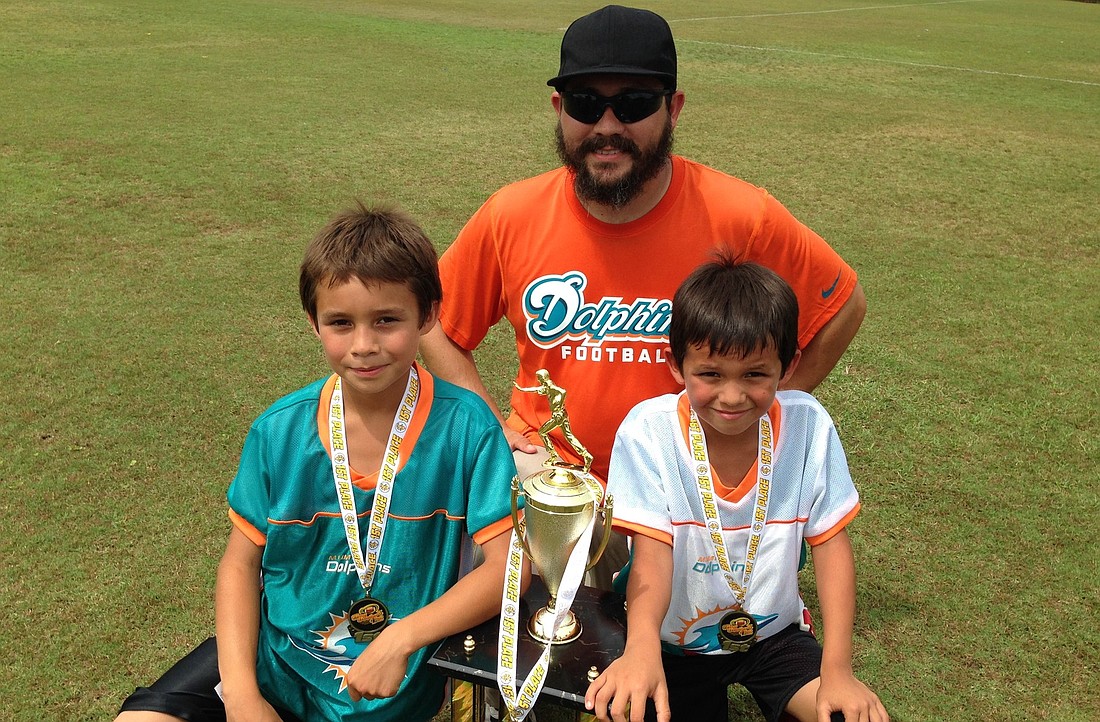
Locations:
675 105
673 367
790 368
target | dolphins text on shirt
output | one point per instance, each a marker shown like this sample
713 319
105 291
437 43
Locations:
557 312
344 565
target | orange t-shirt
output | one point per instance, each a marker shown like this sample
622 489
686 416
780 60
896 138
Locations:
590 301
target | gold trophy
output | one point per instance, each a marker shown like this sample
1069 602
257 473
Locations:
561 501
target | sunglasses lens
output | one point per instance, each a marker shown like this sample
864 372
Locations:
632 107
583 107
628 107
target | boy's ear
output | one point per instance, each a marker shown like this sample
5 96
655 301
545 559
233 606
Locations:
313 325
790 368
674 367
431 319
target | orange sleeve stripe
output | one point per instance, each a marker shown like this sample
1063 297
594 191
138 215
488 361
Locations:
630 529
254 535
494 530
837 528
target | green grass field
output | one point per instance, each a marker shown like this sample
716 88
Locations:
163 164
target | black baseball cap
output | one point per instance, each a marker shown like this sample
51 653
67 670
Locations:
621 41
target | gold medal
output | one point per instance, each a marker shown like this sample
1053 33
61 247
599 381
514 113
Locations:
737 631
367 618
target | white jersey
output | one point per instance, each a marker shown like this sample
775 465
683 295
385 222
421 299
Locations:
656 494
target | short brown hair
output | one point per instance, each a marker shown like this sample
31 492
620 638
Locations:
732 307
375 244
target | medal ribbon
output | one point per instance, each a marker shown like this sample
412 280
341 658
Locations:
341 474
705 485
519 704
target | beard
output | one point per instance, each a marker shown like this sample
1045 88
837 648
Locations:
616 193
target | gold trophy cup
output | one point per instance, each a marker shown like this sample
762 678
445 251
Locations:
561 501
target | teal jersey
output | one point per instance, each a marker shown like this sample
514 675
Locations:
454 477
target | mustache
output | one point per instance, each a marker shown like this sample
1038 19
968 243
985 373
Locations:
617 142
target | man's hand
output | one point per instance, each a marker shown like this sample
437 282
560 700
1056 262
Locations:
519 442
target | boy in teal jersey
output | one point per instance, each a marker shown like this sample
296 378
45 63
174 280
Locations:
349 508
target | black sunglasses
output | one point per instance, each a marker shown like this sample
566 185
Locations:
628 107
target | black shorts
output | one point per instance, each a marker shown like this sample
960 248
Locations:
772 671
187 690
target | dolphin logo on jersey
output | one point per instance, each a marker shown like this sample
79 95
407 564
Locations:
557 311
700 635
336 648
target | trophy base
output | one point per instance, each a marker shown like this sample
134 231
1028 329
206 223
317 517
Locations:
543 621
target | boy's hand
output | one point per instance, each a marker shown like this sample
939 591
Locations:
846 694
381 668
625 686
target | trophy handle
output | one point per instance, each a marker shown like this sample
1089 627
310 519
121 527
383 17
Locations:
606 509
516 524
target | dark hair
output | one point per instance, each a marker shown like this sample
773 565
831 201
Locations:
376 244
732 307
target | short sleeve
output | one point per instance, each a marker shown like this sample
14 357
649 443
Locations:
490 470
250 491
835 499
820 278
635 481
470 271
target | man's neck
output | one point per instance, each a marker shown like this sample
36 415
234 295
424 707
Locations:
652 193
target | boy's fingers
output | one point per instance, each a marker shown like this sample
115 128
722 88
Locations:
590 695
660 702
637 706
599 692
598 685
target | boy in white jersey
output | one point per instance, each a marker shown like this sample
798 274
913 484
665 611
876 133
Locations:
718 486
349 508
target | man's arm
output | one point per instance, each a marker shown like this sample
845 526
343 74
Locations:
638 674
237 619
452 363
826 347
379 670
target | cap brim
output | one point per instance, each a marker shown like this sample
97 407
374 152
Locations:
666 78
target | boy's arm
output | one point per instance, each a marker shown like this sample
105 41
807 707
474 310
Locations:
638 674
237 619
382 666
835 572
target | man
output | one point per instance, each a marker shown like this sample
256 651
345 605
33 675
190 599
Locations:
583 260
